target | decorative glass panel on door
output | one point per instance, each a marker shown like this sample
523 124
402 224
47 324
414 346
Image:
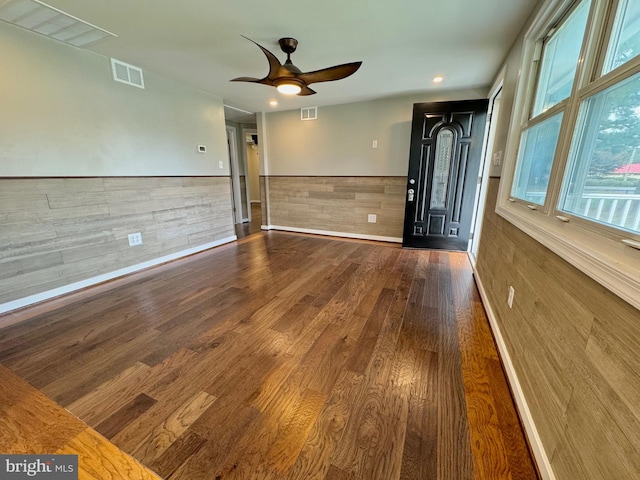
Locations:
442 169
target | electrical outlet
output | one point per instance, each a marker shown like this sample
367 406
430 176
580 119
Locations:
512 293
372 218
135 239
220 165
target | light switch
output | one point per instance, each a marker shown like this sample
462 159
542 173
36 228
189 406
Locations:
374 144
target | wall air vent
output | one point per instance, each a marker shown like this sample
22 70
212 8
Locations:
46 20
309 113
125 73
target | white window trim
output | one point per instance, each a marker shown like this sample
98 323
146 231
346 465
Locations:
608 261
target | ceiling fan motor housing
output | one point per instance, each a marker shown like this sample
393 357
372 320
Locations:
288 45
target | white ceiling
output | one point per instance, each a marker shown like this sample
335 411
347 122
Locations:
403 43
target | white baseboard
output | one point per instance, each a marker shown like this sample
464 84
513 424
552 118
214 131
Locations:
56 292
542 460
359 236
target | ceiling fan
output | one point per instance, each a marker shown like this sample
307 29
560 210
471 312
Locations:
289 79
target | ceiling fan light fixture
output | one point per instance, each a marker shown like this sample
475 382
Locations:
289 79
289 87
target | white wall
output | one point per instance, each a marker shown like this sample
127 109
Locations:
340 141
62 114
511 77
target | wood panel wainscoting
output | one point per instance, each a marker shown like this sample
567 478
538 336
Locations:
337 205
285 356
57 231
574 346
264 200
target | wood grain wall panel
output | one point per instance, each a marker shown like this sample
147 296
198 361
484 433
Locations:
28 230
575 348
66 200
33 263
15 202
338 204
54 232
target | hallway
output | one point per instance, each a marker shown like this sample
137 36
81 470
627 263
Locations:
249 228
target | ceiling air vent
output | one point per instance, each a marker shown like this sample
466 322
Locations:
309 113
46 20
125 73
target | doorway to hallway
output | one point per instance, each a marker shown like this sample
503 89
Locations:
253 226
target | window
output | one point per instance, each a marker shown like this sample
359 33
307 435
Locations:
560 60
625 40
537 148
560 55
572 176
603 179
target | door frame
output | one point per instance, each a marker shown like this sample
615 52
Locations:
493 115
235 177
245 156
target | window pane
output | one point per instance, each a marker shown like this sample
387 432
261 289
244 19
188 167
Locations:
537 149
625 39
602 181
560 60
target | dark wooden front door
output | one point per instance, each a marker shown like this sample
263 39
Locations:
446 149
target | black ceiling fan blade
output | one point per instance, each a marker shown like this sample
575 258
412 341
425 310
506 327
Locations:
306 91
330 74
276 70
264 81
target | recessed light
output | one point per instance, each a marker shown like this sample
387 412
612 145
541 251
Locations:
438 79
273 103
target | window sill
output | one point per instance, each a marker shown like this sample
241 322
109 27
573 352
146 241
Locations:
611 263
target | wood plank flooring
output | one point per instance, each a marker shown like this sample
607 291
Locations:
252 227
286 356
31 423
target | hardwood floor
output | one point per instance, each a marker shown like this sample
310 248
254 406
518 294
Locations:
31 423
252 227
286 356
